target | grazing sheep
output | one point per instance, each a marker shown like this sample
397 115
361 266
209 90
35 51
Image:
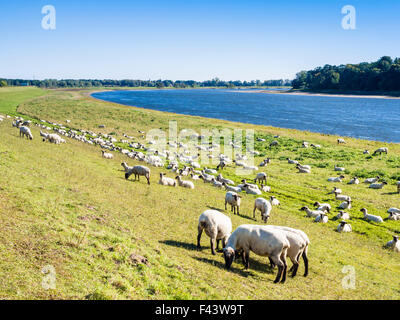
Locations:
336 179
25 131
184 183
264 206
323 206
355 180
381 150
234 200
165 181
343 215
139 171
372 180
345 205
107 155
377 185
274 201
340 140
394 244
342 197
263 241
216 225
371 217
261 177
394 216
312 213
194 177
322 218
344 227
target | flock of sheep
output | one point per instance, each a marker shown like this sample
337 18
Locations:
275 242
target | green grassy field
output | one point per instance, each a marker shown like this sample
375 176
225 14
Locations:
67 207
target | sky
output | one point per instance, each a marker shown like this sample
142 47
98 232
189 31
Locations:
191 40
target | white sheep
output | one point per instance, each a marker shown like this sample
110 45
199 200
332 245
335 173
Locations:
261 177
381 150
265 188
264 206
322 218
343 215
341 169
222 179
312 213
345 205
323 206
107 155
290 161
261 240
165 181
394 244
355 180
216 225
336 190
185 183
274 201
302 169
139 171
234 200
232 188
340 140
344 227
372 180
394 216
371 217
126 167
377 185
336 179
342 197
25 131
394 210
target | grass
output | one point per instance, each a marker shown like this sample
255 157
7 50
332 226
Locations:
67 207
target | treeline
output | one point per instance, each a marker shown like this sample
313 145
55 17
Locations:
83 83
382 75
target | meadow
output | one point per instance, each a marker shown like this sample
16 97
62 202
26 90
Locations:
67 207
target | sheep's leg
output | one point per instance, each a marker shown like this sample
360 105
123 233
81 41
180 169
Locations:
272 263
225 204
246 261
212 242
254 213
237 207
277 261
200 231
305 259
148 179
218 241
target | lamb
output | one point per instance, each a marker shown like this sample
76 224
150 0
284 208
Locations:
323 206
264 207
274 201
263 241
371 217
372 180
345 205
377 185
355 180
234 200
165 181
184 183
25 131
394 216
312 213
139 171
107 155
322 218
261 177
394 244
344 227
342 197
336 179
216 225
343 215
381 150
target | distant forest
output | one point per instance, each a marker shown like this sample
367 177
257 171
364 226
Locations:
382 75
69 83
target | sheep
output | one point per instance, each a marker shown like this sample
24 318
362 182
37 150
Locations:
139 171
295 244
290 161
381 150
366 152
107 155
340 140
216 225
307 167
184 183
194 177
394 244
165 181
317 146
377 185
394 210
371 217
261 177
210 171
274 144
322 206
274 201
263 241
25 131
342 197
372 180
227 181
341 169
264 206
312 213
265 162
345 205
251 190
217 184
305 144
336 190
336 179
355 180
394 216
234 200
265 188
322 218
231 188
344 227
343 215
303 170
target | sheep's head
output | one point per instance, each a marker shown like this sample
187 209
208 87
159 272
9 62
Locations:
229 256
303 208
395 238
363 210
343 223
264 217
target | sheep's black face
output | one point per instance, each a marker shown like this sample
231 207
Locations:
126 176
229 255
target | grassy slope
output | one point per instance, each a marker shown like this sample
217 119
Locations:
67 207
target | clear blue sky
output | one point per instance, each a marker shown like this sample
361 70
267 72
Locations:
185 39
